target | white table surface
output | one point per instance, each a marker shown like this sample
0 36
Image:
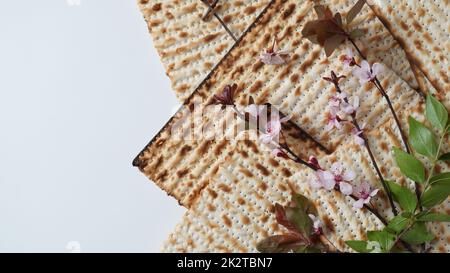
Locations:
82 91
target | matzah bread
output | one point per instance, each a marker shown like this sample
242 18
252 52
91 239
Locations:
299 90
235 210
296 87
189 47
422 28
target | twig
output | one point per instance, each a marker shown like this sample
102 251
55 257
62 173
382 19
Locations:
211 10
385 95
377 83
369 151
297 159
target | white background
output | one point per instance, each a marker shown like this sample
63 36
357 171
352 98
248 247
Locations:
82 91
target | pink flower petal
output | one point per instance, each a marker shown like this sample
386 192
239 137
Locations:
377 69
358 204
365 187
336 168
374 192
358 140
345 188
365 66
356 102
349 176
362 74
326 179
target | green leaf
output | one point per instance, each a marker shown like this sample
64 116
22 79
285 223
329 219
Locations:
398 223
438 191
445 157
436 113
422 139
298 215
410 166
384 238
403 196
442 178
301 220
356 33
418 234
303 203
307 249
434 217
358 246
353 12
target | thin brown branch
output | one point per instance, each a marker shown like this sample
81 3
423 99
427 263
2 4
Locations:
211 8
297 159
380 87
369 151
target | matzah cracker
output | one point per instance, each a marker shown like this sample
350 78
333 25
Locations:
422 28
235 211
315 99
189 47
296 87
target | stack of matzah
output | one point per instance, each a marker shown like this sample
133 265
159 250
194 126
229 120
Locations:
230 184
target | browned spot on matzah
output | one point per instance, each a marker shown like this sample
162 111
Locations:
212 193
256 87
286 172
245 220
226 221
328 223
273 162
210 37
249 10
246 172
156 7
211 207
262 186
224 187
288 12
252 145
182 173
262 169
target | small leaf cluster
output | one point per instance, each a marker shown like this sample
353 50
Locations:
409 227
329 30
300 237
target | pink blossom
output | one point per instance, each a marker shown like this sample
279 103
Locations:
342 178
334 121
337 177
364 193
365 73
272 56
349 59
350 108
317 224
273 129
357 135
323 179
